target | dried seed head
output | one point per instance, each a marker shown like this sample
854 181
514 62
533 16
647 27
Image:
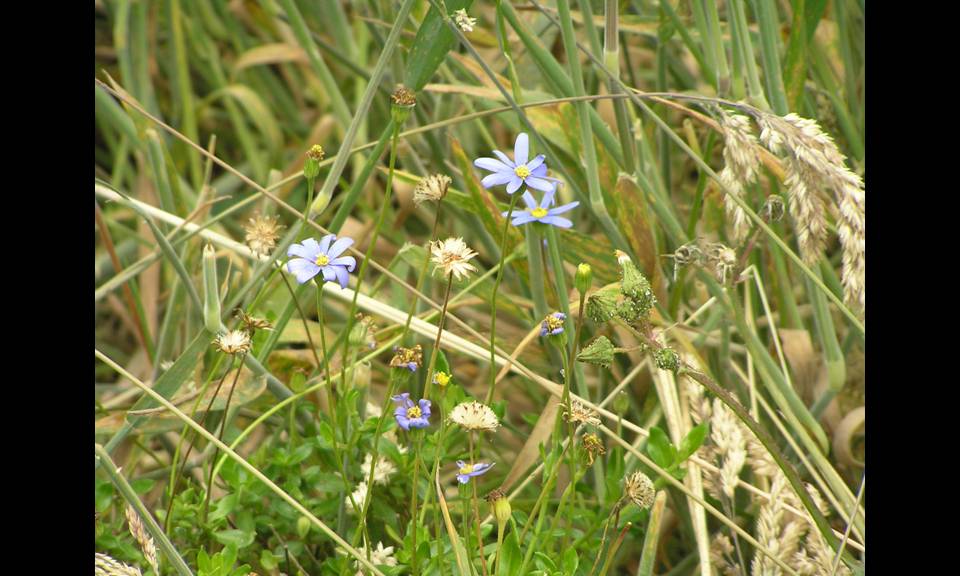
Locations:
403 97
252 323
262 234
592 447
233 342
104 565
139 533
638 488
741 161
433 188
463 21
474 416
579 414
453 257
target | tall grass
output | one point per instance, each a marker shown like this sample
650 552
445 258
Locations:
673 384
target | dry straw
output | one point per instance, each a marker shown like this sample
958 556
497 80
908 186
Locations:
741 159
145 541
815 166
106 566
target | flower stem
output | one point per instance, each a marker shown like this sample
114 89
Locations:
422 276
493 297
223 427
415 563
436 345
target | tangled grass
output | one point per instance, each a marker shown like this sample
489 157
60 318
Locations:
429 288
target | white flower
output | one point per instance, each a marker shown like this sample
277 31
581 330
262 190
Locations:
382 472
452 256
358 496
233 342
474 416
379 556
463 21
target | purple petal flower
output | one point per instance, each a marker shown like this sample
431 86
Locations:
311 258
410 415
468 471
552 324
517 172
541 212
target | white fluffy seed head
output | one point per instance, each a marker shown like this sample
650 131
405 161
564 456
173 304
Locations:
474 416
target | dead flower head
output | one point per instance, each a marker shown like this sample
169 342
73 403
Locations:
474 416
453 257
638 488
233 342
431 189
252 323
592 447
262 234
580 414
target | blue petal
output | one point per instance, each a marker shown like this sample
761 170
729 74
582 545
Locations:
564 208
342 277
521 149
496 179
325 243
339 247
529 200
523 218
329 273
514 185
539 184
404 422
540 171
505 159
463 478
303 269
492 165
425 407
309 252
557 221
536 162
547 199
349 261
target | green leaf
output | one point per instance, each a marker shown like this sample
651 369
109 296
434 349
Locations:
660 449
570 561
543 562
693 440
104 495
238 538
434 39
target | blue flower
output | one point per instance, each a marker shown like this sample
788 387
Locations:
517 172
410 415
542 212
314 258
552 324
468 471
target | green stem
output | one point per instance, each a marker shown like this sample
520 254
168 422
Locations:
493 297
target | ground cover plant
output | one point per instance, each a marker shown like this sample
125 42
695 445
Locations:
470 288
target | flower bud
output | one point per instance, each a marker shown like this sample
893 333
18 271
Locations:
211 295
311 168
602 304
667 359
634 285
303 526
404 99
584 278
621 403
600 352
501 507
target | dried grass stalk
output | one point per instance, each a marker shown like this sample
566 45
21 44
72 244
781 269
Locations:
104 565
144 539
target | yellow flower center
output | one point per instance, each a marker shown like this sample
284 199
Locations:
443 378
414 412
538 212
466 469
521 171
323 260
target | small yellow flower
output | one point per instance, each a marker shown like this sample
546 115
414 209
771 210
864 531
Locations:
442 378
